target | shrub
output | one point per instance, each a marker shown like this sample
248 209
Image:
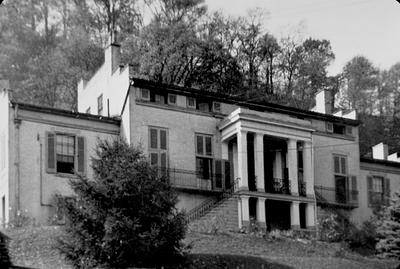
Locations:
363 239
389 230
125 216
330 229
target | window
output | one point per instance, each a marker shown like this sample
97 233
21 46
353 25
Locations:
340 174
88 110
172 99
159 99
100 105
65 153
378 190
205 107
204 155
216 106
191 102
158 147
145 94
338 129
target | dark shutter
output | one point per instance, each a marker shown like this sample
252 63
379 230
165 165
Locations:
199 143
369 185
227 173
386 190
51 152
163 139
336 161
153 139
154 159
218 174
81 155
354 191
208 146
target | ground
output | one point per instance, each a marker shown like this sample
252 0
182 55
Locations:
35 247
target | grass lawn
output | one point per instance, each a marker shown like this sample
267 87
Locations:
35 247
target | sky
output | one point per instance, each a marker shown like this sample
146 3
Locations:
354 27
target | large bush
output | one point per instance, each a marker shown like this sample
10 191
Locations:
389 230
124 216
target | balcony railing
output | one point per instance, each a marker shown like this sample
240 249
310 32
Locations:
187 179
279 185
338 197
302 188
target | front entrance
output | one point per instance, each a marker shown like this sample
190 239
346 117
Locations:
277 215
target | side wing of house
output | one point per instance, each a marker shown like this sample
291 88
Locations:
50 146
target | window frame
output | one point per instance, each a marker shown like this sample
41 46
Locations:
75 155
194 102
203 156
158 150
141 90
341 157
176 99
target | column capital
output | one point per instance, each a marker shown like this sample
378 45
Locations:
262 199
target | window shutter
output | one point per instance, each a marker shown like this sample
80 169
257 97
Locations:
208 146
386 191
163 139
218 174
329 127
153 139
81 155
354 191
336 161
227 174
154 159
51 152
369 185
343 165
199 142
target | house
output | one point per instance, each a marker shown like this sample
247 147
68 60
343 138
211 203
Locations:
251 163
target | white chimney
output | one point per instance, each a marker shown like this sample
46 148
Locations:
394 157
112 53
323 102
380 151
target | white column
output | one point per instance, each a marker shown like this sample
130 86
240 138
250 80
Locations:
310 216
259 160
292 165
295 215
245 211
242 160
224 150
308 168
261 212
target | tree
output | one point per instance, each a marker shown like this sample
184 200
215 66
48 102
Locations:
389 230
361 80
124 216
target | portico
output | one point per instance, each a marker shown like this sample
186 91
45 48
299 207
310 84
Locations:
272 160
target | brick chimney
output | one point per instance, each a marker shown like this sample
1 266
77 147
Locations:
112 53
324 102
380 151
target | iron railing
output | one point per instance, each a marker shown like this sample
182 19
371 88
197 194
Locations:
302 188
278 185
187 179
210 203
334 196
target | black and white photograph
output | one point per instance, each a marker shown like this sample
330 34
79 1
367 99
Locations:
210 134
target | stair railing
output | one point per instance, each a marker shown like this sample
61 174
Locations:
205 207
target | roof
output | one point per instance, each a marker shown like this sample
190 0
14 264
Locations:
66 113
379 162
260 106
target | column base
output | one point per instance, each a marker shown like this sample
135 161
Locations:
295 227
243 188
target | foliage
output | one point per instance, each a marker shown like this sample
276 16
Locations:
363 238
389 230
330 228
125 215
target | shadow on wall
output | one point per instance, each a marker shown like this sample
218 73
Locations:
213 261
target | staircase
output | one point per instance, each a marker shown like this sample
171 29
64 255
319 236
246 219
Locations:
221 214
